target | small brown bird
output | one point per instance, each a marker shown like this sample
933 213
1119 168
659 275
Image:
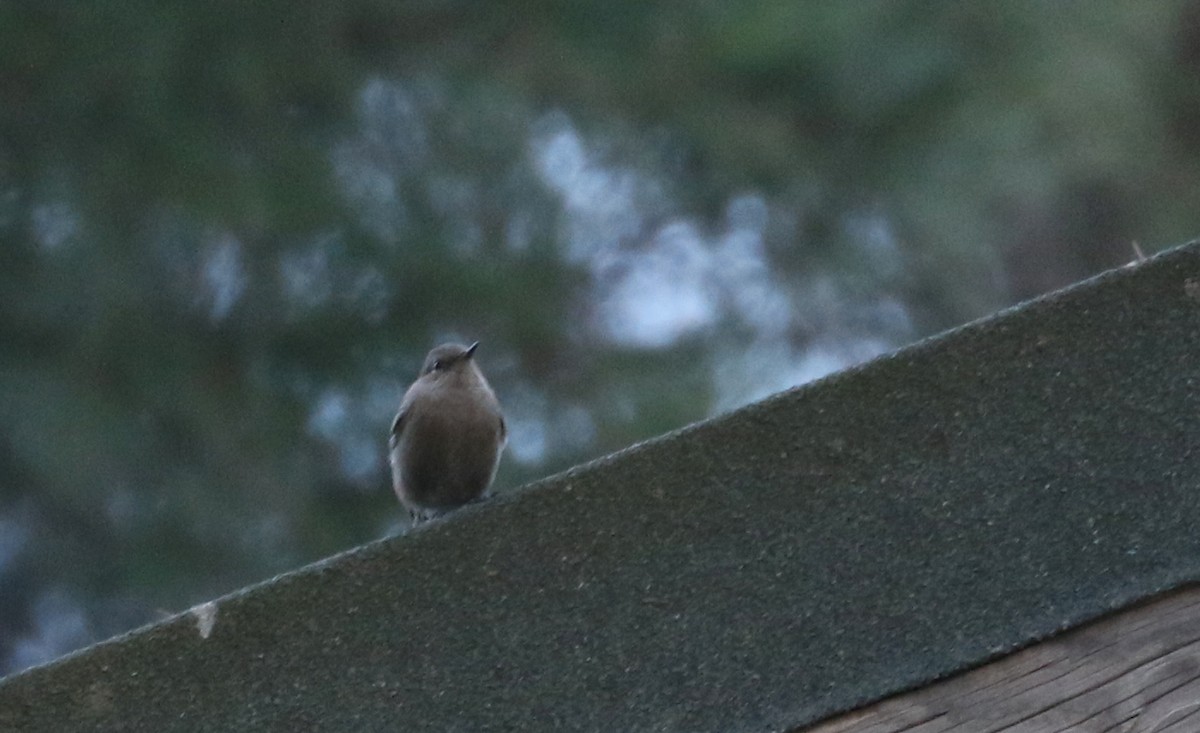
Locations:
447 438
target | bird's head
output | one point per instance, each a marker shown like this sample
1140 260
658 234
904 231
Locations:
449 359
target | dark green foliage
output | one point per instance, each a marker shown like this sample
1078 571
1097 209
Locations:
230 230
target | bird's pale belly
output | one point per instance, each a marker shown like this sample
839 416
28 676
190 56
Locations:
446 464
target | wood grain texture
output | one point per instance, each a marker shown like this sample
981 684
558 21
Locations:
1137 671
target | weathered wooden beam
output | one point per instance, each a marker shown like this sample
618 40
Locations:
1137 671
822 549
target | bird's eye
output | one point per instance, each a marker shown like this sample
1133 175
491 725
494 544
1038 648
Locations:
437 365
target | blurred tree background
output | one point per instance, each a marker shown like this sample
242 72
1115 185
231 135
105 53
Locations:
229 231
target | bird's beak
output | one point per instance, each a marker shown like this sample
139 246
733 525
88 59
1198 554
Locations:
471 349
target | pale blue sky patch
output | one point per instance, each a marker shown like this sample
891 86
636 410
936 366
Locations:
223 276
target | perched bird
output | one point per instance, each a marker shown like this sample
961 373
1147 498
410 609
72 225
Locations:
447 438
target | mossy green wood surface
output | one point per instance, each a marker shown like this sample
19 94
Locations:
820 549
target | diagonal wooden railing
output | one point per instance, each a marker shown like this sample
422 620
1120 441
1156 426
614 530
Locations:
809 554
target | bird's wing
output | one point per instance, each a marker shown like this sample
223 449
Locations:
397 426
503 432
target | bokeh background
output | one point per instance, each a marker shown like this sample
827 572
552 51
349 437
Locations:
230 230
